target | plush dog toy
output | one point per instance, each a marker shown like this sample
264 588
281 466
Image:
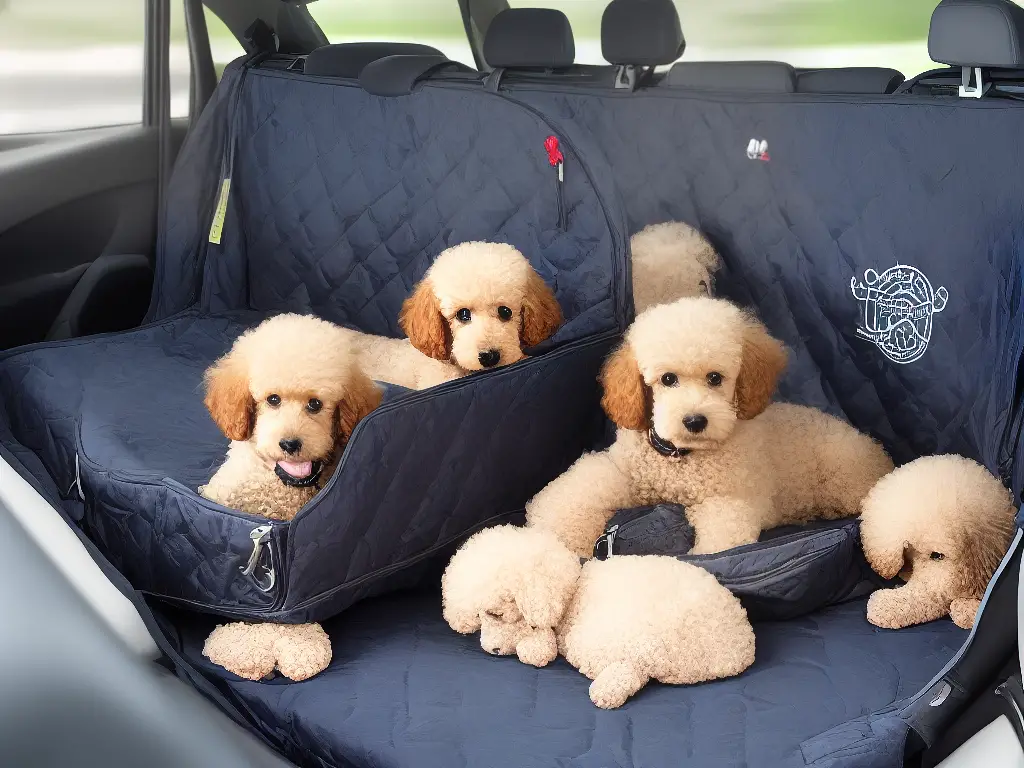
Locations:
478 306
689 390
671 261
621 621
942 523
288 394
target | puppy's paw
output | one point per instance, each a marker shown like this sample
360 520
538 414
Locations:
615 684
963 611
887 609
302 651
538 649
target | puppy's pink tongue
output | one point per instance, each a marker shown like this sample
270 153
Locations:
299 470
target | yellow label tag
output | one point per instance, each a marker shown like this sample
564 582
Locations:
217 228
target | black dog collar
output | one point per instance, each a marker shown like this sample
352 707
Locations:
300 482
664 447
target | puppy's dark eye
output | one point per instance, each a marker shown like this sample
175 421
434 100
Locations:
504 314
714 379
937 556
314 405
273 400
669 379
464 315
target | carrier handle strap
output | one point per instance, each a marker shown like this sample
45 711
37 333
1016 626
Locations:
397 75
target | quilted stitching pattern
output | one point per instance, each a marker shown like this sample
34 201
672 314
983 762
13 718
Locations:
849 186
344 199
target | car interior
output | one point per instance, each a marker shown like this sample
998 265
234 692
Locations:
319 177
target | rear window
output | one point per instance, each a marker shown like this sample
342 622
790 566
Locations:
432 22
804 33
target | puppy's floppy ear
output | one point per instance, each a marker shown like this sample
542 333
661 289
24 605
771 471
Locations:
885 558
624 398
542 313
228 399
361 396
764 359
423 323
459 598
544 592
976 563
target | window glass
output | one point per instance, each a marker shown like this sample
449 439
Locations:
223 45
431 22
805 33
68 64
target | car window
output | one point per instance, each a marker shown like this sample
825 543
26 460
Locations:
804 33
431 22
68 64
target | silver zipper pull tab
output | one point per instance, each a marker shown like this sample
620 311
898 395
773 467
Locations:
258 535
610 534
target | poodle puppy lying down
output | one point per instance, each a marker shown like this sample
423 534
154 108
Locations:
942 523
478 306
689 390
288 394
621 621
671 261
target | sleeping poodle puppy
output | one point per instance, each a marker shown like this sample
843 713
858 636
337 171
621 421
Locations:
288 394
477 307
689 390
621 621
943 524
671 261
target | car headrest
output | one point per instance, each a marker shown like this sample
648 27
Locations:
644 33
977 33
348 59
530 38
761 76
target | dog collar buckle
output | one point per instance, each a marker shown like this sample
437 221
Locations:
665 447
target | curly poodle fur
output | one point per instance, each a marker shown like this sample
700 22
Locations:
254 651
942 523
621 622
288 394
695 377
671 261
509 308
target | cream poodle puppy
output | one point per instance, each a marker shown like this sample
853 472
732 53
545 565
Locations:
689 390
478 306
671 261
288 395
943 524
621 621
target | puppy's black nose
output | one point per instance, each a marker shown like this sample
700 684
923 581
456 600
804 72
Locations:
695 422
291 446
490 358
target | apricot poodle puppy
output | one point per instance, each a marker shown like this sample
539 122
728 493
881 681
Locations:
942 523
671 261
689 390
478 307
288 395
621 621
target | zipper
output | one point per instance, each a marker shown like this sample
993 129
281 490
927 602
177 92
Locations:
782 568
557 161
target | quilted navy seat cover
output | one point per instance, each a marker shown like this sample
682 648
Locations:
404 691
338 202
927 193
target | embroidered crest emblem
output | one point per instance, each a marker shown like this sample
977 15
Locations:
899 306
757 149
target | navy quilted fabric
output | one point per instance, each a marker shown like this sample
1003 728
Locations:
403 690
845 186
339 201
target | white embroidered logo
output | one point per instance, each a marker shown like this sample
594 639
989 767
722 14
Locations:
757 149
898 309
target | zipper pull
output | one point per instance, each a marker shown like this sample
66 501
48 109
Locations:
259 536
557 161
604 546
